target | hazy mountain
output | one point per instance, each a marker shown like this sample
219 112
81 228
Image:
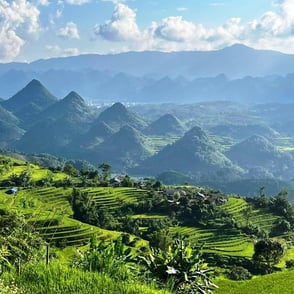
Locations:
9 128
167 125
240 132
9 133
72 104
260 155
97 133
118 116
57 126
30 101
194 154
235 61
236 73
255 150
122 150
53 135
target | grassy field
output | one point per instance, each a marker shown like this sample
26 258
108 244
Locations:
277 283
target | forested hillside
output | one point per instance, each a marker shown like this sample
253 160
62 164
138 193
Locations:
123 234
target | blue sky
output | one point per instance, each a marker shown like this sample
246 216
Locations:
34 29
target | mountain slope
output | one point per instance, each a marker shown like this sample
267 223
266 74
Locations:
193 154
118 116
57 126
72 104
97 133
168 124
9 128
254 151
122 150
244 131
30 101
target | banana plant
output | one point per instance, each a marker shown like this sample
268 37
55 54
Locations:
180 265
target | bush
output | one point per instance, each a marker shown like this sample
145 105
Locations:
290 263
238 273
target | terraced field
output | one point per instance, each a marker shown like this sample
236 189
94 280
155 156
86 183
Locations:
226 242
112 198
241 211
48 211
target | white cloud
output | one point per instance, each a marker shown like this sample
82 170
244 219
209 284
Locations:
71 52
217 4
174 28
275 23
70 31
18 19
10 45
53 49
77 2
43 2
182 9
121 27
273 28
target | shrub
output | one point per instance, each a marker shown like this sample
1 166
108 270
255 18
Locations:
239 273
290 263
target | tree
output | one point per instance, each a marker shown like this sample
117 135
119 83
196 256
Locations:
70 170
268 251
105 168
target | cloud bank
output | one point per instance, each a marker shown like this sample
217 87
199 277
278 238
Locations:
271 30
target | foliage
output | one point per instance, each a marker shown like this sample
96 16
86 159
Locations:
180 265
18 242
290 263
9 289
239 273
268 251
112 259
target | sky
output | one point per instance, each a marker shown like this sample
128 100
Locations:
38 29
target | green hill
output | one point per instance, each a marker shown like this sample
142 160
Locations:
98 132
167 125
61 123
195 153
118 116
259 155
71 105
122 150
30 101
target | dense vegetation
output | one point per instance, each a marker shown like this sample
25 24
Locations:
124 235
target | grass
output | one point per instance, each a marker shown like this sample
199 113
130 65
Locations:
56 278
277 283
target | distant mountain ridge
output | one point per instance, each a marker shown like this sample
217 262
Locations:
235 73
235 61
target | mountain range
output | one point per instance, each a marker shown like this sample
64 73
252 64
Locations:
236 73
212 140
